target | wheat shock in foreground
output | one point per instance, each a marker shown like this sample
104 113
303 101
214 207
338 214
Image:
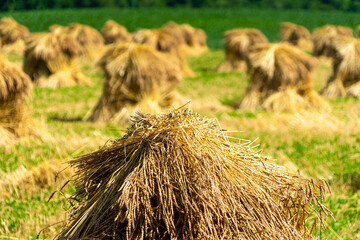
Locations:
178 176
237 47
281 79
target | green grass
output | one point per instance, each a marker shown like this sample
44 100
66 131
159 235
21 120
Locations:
213 21
318 151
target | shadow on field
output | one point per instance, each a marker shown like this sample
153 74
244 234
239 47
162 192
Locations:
66 119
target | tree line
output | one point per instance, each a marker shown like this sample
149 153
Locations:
342 5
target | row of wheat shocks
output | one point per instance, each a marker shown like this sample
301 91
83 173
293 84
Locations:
153 65
174 175
281 73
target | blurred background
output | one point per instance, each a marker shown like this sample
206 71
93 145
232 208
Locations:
343 5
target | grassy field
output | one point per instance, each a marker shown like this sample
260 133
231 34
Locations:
324 145
213 21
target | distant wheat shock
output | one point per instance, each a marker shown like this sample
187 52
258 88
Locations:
15 88
281 79
238 43
90 40
296 35
51 60
345 80
177 40
12 36
178 176
137 77
114 33
323 39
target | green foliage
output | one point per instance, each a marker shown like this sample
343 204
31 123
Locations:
344 5
214 21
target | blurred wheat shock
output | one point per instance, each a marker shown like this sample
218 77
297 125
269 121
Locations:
12 36
15 88
323 39
238 43
281 79
177 176
90 40
138 77
297 35
50 60
114 32
345 80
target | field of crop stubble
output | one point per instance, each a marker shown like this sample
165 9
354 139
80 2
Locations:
321 145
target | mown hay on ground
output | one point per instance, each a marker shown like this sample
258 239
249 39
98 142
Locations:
345 80
27 181
237 45
178 176
51 60
12 36
296 35
281 79
15 88
114 33
137 77
90 40
323 39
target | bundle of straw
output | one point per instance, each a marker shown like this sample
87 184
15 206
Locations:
12 35
15 87
345 80
281 79
237 45
58 29
296 35
114 32
193 40
51 60
177 176
90 40
164 40
33 179
137 78
323 39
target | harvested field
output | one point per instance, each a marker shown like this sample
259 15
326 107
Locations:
322 145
